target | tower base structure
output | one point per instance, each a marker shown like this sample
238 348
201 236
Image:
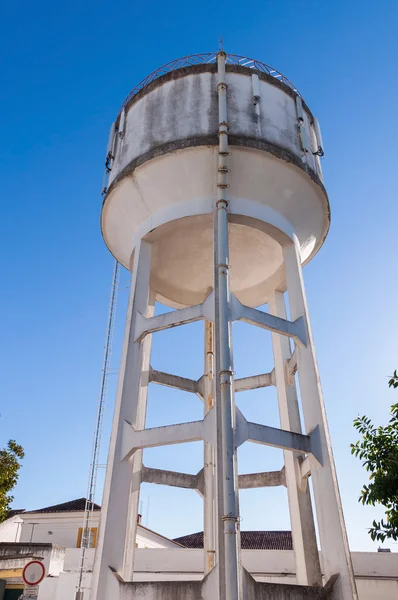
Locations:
207 589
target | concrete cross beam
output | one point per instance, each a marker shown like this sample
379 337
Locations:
134 439
170 478
196 482
175 381
200 483
175 479
279 438
296 329
259 480
159 436
254 382
174 318
288 440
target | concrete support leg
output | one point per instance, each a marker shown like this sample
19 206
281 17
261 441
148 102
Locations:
331 526
308 571
209 456
116 545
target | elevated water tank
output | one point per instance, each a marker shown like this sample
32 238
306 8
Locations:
162 184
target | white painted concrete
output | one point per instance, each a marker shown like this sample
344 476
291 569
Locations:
269 566
301 516
16 556
54 528
147 198
259 182
186 107
49 589
116 545
10 529
376 574
331 526
146 538
72 557
157 220
375 589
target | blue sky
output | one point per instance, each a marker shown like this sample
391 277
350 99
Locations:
66 68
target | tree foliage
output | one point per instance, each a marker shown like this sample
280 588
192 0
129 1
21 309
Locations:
378 450
9 472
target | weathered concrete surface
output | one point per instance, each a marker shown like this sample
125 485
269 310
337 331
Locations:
166 590
252 590
192 590
281 591
163 177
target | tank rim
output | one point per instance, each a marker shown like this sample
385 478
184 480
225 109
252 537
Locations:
208 58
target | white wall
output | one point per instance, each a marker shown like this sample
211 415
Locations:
48 589
10 529
72 559
370 589
376 573
54 528
64 529
61 588
149 539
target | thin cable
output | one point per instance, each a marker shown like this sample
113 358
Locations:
89 507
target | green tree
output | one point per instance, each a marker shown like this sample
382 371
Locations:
9 472
378 450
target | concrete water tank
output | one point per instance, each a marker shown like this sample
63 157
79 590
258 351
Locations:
163 178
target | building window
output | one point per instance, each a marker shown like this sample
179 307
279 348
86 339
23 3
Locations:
92 537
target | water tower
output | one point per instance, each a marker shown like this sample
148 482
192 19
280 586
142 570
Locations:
214 202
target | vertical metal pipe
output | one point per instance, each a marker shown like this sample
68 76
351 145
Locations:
226 433
209 455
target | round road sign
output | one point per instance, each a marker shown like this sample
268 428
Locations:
33 572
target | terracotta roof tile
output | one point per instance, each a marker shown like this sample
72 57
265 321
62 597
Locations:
14 512
250 540
77 505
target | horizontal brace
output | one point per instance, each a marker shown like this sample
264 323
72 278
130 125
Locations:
166 321
159 436
201 387
195 482
279 438
259 480
174 381
200 483
134 439
254 382
174 318
171 478
295 330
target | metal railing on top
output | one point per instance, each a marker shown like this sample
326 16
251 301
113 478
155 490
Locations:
211 57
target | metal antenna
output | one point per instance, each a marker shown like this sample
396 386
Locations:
89 507
147 511
220 44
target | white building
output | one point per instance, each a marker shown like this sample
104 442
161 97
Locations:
53 534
